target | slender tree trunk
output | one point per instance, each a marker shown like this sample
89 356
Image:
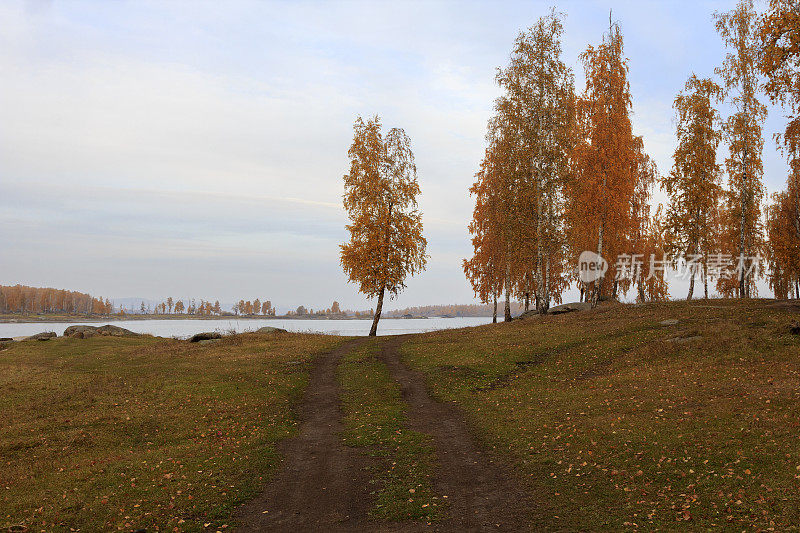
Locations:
374 330
527 301
494 311
583 290
508 293
539 276
696 249
742 204
545 305
705 282
598 284
385 253
640 285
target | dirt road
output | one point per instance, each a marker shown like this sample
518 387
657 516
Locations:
323 485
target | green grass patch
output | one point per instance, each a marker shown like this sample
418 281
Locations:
375 419
125 433
618 427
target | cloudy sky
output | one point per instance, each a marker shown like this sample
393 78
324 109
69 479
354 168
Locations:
155 149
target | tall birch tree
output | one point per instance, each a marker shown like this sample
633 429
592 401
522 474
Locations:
380 196
742 234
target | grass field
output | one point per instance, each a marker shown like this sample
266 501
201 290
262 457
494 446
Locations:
127 433
616 420
618 425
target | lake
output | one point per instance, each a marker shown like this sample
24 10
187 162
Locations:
186 328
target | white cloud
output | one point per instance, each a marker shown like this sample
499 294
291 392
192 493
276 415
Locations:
198 148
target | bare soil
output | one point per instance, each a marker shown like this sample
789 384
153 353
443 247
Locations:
324 485
482 492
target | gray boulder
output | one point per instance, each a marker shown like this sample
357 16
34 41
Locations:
669 322
570 308
45 336
80 332
207 336
115 331
85 332
530 313
270 329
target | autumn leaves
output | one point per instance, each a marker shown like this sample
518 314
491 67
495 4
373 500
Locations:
386 242
564 173
561 174
779 59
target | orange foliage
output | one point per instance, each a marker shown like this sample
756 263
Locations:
23 299
386 243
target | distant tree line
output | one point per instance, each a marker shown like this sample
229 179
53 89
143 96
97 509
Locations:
23 299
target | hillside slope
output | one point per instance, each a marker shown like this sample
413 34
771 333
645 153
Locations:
619 421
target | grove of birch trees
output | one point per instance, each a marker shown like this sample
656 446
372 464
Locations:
563 172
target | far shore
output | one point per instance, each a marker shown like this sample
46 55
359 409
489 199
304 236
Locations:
32 319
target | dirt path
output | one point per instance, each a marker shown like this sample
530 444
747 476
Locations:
482 493
323 485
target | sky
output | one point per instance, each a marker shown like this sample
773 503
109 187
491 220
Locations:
196 149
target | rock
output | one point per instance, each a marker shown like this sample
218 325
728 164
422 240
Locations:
85 332
569 308
270 329
209 341
45 336
528 314
80 332
115 331
794 328
669 322
207 336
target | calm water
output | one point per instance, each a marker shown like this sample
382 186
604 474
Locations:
185 328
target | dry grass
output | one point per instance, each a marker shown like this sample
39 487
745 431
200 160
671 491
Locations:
618 428
127 433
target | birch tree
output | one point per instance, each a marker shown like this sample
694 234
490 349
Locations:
693 185
742 234
606 161
538 105
380 196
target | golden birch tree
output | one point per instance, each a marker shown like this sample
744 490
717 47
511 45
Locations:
605 159
779 62
693 185
783 247
485 269
742 231
380 196
538 106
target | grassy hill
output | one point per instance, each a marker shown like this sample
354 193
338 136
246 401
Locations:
657 416
617 421
111 433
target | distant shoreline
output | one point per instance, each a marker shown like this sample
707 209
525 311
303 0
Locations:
33 319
